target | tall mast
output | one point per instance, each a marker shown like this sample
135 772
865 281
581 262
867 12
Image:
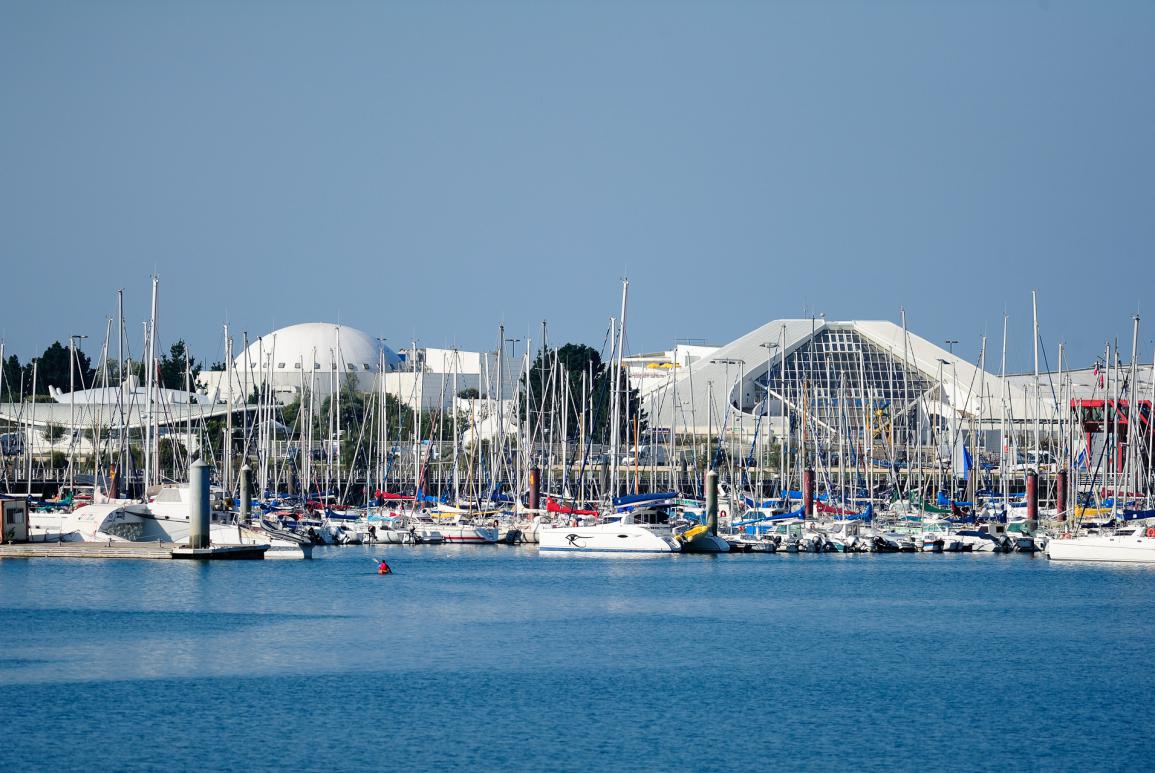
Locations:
1003 448
1133 427
122 451
1038 417
31 445
227 449
150 382
615 415
619 397
456 371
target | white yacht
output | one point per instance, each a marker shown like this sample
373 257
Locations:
1132 544
163 519
643 530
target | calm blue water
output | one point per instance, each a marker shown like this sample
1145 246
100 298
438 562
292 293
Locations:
498 658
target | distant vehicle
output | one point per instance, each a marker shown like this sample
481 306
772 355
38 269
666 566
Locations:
647 455
1043 461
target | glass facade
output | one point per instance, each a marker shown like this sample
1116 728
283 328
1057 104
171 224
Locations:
843 376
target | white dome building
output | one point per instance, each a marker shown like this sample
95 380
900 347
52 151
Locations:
317 355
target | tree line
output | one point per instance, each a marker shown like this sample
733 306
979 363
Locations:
57 367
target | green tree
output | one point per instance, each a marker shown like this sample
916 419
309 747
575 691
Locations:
574 360
172 366
14 387
56 367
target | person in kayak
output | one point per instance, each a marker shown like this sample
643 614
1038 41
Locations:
383 568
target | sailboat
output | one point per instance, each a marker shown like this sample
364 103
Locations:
1131 544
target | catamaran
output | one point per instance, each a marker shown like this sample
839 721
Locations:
641 530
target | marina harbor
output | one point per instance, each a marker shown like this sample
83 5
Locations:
803 436
576 387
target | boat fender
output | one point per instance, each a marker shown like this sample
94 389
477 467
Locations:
721 513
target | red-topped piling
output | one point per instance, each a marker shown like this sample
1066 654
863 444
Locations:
808 492
534 487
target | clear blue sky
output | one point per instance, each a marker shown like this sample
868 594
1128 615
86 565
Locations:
431 169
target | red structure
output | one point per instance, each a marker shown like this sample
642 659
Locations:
1098 417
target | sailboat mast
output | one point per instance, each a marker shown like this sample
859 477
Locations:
1003 448
227 449
1038 418
122 451
150 383
619 385
1132 412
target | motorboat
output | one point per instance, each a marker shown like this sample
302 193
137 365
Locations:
641 530
164 518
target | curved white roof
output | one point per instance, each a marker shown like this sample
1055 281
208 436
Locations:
316 346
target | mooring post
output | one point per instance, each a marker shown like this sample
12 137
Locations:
808 492
712 501
246 493
198 482
1032 496
534 487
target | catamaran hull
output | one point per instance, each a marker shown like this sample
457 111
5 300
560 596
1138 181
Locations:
606 538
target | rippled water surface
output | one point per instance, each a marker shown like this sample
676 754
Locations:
501 658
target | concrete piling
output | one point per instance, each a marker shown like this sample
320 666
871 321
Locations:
198 479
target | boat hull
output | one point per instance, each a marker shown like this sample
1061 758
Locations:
1123 549
606 538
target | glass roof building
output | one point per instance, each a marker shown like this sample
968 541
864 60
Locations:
849 375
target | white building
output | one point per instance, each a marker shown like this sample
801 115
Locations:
828 369
651 371
320 357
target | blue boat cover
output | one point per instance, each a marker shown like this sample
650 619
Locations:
633 499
